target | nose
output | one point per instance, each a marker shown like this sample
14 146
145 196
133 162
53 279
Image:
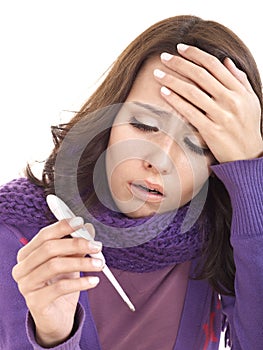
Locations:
158 158
161 168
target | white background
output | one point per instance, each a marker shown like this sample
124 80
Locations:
53 52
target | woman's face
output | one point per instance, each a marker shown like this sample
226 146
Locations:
155 161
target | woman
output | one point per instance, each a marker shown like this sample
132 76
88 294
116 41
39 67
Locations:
173 129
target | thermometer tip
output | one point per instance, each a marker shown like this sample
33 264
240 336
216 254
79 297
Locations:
131 306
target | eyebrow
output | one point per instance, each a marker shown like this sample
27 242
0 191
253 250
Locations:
161 112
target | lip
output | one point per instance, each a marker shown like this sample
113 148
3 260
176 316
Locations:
142 194
153 186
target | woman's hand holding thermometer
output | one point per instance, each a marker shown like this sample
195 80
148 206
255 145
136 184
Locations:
61 211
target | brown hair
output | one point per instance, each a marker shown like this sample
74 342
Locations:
218 264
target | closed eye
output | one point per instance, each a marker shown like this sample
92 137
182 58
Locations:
187 140
141 126
195 148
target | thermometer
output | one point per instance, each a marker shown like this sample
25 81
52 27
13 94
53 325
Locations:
61 211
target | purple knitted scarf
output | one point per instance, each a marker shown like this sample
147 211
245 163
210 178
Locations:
138 245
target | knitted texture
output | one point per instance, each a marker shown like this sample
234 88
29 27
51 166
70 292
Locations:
146 244
22 203
153 243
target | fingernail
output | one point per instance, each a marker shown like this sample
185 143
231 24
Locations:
165 91
182 47
158 73
76 222
96 245
91 229
166 56
231 62
93 280
97 262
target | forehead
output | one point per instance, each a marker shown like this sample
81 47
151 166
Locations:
145 92
145 88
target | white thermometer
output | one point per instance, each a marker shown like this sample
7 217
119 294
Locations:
62 211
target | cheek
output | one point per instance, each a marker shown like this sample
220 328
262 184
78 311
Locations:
192 174
119 173
116 178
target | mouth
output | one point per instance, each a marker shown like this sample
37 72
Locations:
147 191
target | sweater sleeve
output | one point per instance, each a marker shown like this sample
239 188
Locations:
244 182
17 329
71 344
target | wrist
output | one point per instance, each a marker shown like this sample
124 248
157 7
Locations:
246 156
40 337
50 340
259 151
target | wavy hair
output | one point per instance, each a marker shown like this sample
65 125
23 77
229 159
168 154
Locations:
218 264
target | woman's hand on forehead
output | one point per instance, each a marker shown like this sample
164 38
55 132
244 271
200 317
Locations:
217 99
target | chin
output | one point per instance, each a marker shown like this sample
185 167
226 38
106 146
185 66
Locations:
142 210
145 211
138 212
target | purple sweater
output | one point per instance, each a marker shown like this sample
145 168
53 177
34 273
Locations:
200 323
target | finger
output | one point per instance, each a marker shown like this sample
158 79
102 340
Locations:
194 116
91 229
189 92
56 267
38 300
199 76
238 74
210 63
54 248
57 230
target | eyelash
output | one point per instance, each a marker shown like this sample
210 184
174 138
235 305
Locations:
143 127
147 128
197 149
